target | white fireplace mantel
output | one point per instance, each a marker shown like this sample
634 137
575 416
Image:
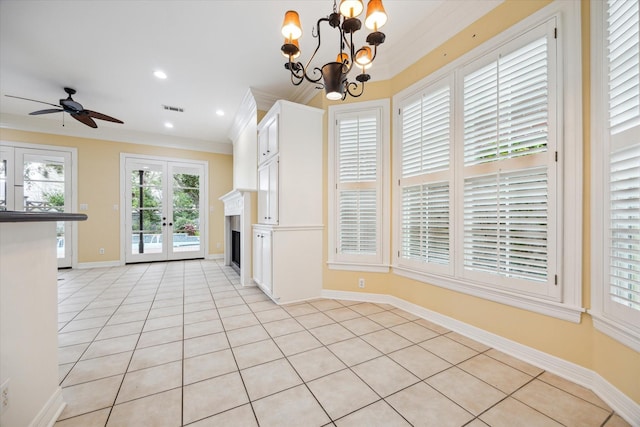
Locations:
238 203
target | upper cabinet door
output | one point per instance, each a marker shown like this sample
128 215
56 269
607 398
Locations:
268 139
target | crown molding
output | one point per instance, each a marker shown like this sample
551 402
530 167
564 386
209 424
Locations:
264 101
246 113
304 93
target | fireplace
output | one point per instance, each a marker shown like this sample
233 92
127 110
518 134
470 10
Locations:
235 249
237 233
236 242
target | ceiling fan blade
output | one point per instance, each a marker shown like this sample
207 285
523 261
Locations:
84 118
101 116
47 111
34 100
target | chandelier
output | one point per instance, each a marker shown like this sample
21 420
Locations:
333 76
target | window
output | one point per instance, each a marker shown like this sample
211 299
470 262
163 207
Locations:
480 148
425 231
616 170
358 143
508 219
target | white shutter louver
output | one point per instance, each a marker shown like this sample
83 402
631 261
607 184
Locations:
624 64
357 156
425 223
426 134
481 115
506 106
357 222
625 227
356 193
505 224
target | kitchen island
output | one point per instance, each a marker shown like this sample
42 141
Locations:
29 317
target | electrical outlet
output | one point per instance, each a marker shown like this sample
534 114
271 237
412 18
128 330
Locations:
4 396
101 251
361 282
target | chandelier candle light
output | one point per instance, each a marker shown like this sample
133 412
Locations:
334 75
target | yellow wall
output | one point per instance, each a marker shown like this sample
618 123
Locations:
98 187
579 343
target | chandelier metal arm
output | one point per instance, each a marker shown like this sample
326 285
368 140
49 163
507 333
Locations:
300 72
354 86
316 35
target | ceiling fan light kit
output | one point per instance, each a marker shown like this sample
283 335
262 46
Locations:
333 76
75 109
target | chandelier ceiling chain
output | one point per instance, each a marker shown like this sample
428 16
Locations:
333 76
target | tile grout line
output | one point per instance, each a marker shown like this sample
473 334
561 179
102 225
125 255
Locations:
207 273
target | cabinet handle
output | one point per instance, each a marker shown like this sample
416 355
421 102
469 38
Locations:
268 151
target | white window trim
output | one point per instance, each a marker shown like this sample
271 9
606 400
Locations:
626 334
570 155
334 262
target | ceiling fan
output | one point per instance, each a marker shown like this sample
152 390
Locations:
75 109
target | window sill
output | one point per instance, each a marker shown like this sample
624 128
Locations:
525 302
347 266
616 330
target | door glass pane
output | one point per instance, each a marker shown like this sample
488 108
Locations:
3 185
44 191
146 211
186 212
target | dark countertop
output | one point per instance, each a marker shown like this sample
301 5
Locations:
21 216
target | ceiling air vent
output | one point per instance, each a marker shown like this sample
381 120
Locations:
170 108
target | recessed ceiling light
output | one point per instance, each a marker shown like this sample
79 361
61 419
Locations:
160 74
220 113
168 125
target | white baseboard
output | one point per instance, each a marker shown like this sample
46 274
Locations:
101 264
51 411
107 264
617 400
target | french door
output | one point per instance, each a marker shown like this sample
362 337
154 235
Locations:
164 215
39 180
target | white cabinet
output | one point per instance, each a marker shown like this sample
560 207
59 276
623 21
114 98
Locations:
268 192
290 207
287 262
268 139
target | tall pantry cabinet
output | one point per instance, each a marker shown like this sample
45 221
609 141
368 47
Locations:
287 241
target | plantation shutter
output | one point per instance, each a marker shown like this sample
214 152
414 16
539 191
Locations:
426 134
425 223
358 198
508 211
506 106
623 57
622 53
505 224
424 183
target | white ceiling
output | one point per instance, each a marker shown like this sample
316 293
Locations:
212 51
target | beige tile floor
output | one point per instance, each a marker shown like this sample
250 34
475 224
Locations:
182 343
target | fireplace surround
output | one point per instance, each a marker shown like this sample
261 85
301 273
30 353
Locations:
237 221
